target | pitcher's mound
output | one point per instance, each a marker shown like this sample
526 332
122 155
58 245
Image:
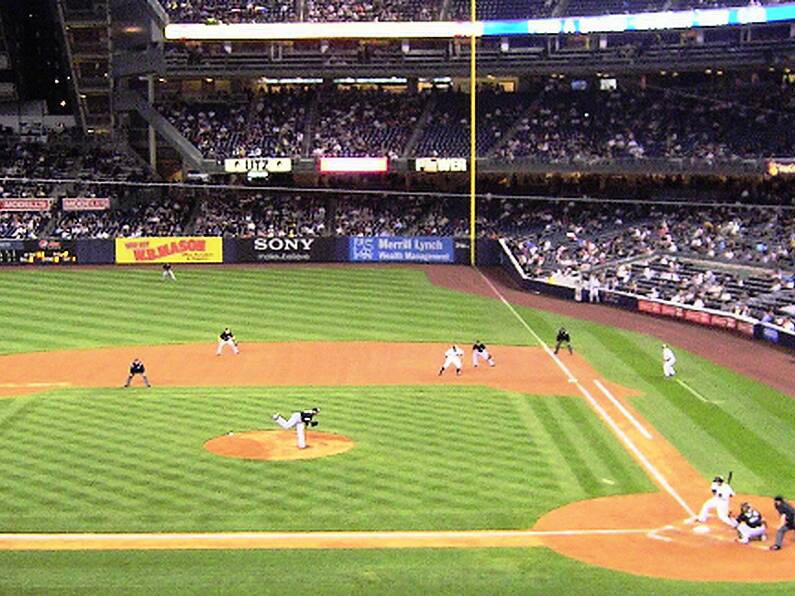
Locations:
277 445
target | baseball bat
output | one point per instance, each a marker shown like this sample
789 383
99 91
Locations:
729 481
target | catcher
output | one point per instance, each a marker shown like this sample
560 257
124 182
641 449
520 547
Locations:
227 338
750 525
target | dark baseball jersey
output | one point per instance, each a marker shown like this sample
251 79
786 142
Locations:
563 335
226 335
481 347
788 511
752 518
137 367
167 267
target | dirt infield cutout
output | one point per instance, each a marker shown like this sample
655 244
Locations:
642 534
277 445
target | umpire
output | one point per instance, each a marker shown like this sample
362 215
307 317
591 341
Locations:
563 338
787 512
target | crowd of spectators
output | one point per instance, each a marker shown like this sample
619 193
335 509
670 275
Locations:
269 124
354 123
230 11
748 120
552 121
268 11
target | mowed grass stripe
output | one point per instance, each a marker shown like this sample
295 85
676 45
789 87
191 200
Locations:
140 457
264 306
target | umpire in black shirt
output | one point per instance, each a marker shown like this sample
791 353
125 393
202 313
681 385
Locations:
787 512
563 338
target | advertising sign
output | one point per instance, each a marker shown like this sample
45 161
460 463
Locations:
385 249
693 315
361 165
89 204
274 250
190 249
435 165
38 252
25 204
244 165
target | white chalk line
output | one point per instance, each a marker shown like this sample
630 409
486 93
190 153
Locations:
661 480
627 414
696 393
314 536
18 385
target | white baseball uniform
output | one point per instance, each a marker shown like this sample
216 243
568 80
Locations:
669 359
294 421
452 356
721 494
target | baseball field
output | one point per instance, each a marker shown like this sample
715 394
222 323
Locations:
547 473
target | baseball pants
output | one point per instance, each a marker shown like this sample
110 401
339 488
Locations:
300 428
780 535
668 368
747 533
484 355
226 342
721 508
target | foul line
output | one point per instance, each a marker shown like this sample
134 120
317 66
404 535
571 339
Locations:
17 385
309 536
693 391
595 405
641 429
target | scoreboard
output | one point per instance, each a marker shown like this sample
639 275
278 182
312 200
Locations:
38 252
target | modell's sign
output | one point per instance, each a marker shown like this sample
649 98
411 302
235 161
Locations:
434 165
245 165
89 204
25 204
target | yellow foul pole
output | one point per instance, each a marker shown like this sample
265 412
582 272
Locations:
472 132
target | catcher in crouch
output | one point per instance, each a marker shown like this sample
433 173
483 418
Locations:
750 525
227 338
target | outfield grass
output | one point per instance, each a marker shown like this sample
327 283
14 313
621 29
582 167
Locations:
103 459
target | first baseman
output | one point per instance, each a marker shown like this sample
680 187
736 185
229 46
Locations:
452 356
563 337
722 492
669 359
480 352
137 368
227 338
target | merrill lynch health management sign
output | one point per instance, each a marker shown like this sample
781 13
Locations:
419 249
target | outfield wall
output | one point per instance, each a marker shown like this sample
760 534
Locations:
213 249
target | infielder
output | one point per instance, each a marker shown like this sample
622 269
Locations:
168 272
669 359
137 368
750 525
479 352
563 337
226 338
452 356
721 494
299 421
787 521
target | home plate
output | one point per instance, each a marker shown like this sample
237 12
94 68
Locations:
701 529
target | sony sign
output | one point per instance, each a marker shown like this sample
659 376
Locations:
282 249
279 244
